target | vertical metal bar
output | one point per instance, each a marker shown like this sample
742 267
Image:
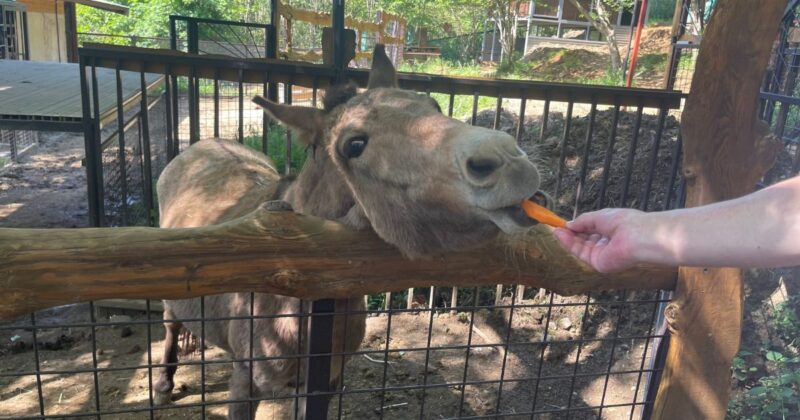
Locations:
474 108
545 116
563 147
147 169
287 97
578 353
450 104
609 154
498 109
26 37
301 333
673 174
194 114
644 356
170 117
193 41
123 164
631 154
265 120
506 350
202 357
149 360
272 46
90 144
541 355
521 123
38 364
176 116
314 91
342 357
337 17
173 33
613 349
216 103
662 116
386 362
465 374
241 106
251 350
93 321
427 362
319 367
96 149
585 161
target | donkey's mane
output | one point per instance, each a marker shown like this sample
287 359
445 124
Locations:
339 94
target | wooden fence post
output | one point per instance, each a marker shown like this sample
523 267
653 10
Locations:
727 151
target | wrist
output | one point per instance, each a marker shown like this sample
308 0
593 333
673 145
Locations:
653 241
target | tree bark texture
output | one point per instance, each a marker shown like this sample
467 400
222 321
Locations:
274 252
727 151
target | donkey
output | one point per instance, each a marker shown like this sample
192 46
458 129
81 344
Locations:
385 159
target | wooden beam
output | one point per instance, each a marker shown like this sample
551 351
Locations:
275 252
727 151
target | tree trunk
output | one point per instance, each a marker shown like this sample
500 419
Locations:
505 16
727 150
274 252
602 22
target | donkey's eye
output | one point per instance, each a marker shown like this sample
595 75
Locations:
354 146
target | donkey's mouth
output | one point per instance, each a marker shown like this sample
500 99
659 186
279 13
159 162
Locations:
512 219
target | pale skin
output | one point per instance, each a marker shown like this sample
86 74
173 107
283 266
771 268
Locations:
758 230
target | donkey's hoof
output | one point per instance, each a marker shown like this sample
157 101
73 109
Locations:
162 398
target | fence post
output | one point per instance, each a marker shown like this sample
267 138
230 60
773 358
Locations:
724 158
92 144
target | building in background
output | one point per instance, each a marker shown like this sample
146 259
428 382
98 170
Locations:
52 27
555 22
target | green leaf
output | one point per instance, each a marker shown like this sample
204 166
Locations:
774 356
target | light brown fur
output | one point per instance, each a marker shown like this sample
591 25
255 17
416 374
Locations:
424 182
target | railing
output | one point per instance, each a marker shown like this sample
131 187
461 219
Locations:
599 146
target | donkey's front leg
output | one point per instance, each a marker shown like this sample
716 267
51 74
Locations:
162 394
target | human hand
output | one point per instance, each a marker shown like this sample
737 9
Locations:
604 239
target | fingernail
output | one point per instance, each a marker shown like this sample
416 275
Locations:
602 241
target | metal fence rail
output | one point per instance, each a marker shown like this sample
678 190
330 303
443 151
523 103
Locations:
472 353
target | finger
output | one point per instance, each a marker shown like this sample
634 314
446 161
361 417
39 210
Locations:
565 236
586 253
584 223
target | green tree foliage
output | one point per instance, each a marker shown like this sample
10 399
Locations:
150 18
461 20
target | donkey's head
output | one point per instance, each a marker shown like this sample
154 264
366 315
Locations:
423 181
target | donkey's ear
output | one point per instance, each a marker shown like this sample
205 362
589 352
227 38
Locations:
302 118
382 74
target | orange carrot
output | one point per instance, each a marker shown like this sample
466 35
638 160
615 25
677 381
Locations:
542 214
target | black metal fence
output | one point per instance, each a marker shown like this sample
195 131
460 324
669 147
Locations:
13 31
780 96
481 352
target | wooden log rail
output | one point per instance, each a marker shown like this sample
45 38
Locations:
274 252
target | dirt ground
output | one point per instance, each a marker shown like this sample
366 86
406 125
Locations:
121 348
554 62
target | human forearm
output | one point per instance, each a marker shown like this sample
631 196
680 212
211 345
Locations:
758 230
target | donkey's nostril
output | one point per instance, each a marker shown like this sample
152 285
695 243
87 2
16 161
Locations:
482 167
